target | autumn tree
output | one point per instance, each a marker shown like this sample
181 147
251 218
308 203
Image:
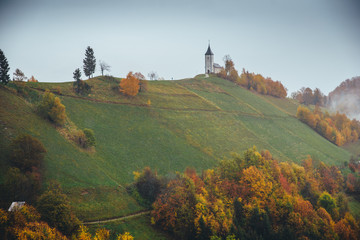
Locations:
4 69
174 209
24 224
19 76
104 67
32 79
125 236
89 62
51 108
129 85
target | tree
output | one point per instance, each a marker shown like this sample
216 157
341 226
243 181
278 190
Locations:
80 86
38 230
21 186
104 67
19 76
90 138
327 202
27 152
153 75
51 108
55 209
89 62
32 79
125 236
143 82
77 75
148 184
229 64
4 68
129 85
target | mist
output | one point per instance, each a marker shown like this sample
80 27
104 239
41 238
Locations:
347 103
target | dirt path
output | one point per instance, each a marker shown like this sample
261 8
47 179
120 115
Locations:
118 218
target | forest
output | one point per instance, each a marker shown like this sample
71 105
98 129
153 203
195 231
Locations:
251 196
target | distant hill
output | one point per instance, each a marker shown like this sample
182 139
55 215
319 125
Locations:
192 122
346 98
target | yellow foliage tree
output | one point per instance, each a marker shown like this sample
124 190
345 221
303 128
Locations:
52 108
38 230
130 85
125 236
259 186
57 112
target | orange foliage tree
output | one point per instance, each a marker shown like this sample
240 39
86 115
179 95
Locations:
130 85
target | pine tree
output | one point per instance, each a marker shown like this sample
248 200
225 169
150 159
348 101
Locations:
77 83
4 69
89 62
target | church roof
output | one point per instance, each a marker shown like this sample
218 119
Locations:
216 65
209 52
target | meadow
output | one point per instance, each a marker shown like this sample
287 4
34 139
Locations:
192 122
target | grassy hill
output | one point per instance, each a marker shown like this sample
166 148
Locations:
191 122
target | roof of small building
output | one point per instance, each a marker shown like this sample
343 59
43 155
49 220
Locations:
209 52
217 65
16 206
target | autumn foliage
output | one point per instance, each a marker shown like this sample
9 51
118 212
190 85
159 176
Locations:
130 85
256 197
252 81
51 108
336 128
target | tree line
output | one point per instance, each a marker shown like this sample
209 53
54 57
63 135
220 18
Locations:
307 96
252 81
337 128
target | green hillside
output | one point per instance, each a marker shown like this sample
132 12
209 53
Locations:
191 122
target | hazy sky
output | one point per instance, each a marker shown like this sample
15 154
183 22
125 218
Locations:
313 43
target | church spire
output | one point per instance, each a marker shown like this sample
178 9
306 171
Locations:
209 52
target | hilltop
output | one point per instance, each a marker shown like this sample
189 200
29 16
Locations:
345 98
174 124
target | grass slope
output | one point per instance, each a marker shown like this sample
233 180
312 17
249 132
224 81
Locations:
191 122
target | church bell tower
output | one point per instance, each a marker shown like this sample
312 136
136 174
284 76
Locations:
209 61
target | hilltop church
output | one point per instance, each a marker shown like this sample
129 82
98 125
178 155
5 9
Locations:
210 66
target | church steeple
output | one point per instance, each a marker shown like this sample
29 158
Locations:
209 61
209 52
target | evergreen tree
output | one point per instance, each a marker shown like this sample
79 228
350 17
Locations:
4 68
89 62
77 83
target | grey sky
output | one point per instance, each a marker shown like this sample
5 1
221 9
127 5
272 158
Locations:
300 43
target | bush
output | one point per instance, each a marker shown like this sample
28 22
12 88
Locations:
79 138
27 152
51 108
90 138
55 209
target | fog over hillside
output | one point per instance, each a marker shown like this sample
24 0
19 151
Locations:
346 98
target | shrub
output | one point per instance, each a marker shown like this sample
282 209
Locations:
90 138
51 108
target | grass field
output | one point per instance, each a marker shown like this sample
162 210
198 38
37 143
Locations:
192 122
353 148
138 227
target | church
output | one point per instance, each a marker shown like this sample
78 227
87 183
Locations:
210 66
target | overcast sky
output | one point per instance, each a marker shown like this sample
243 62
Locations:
300 43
